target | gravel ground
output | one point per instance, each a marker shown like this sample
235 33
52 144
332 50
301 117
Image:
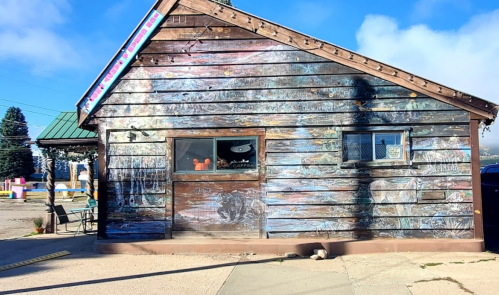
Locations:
16 217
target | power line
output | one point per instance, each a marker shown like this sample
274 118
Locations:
1 105
39 85
37 69
31 105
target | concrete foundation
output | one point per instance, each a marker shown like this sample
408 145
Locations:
303 247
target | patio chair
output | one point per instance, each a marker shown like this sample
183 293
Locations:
92 204
63 218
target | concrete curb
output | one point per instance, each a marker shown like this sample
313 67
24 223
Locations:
302 247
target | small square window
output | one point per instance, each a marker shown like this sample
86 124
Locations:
373 146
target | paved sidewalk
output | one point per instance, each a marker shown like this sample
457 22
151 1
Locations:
85 272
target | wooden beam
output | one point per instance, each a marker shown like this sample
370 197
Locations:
346 57
476 179
102 184
165 6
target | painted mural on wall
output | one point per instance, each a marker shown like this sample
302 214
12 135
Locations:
218 206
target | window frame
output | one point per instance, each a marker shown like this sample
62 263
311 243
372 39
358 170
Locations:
404 139
214 170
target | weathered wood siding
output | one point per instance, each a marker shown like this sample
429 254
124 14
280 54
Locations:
197 72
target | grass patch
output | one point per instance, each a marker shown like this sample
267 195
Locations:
423 266
449 279
483 260
31 234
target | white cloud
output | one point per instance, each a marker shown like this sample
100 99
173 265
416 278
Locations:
466 59
28 33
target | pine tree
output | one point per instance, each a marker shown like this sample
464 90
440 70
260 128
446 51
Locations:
16 158
226 2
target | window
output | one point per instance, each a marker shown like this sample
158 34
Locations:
230 154
373 146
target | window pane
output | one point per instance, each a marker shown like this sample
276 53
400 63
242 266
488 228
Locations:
357 147
388 146
236 154
193 154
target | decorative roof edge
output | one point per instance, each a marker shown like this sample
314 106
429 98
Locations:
486 111
263 27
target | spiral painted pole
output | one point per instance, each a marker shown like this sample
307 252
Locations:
50 218
90 183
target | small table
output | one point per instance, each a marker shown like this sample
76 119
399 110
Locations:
81 214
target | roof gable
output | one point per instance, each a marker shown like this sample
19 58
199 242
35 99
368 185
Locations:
481 108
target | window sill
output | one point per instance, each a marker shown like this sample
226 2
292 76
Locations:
248 175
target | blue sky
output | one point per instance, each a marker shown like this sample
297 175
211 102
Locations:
51 50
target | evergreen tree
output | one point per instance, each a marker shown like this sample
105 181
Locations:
16 158
226 2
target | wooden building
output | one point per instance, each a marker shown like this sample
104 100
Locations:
213 122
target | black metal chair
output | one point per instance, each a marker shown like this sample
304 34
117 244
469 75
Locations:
64 218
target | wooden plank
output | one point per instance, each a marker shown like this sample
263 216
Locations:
369 210
333 224
218 206
129 86
303 158
440 130
161 135
136 187
247 175
130 174
346 184
149 121
138 201
440 143
137 149
304 94
215 46
376 234
203 33
138 214
433 195
183 10
303 133
179 21
102 184
331 171
442 156
476 180
137 227
235 71
306 145
283 107
139 162
439 183
166 6
222 58
362 196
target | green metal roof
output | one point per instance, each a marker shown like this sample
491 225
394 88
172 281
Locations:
65 127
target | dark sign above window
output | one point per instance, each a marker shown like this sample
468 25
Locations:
215 154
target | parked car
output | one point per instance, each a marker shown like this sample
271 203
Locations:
490 204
